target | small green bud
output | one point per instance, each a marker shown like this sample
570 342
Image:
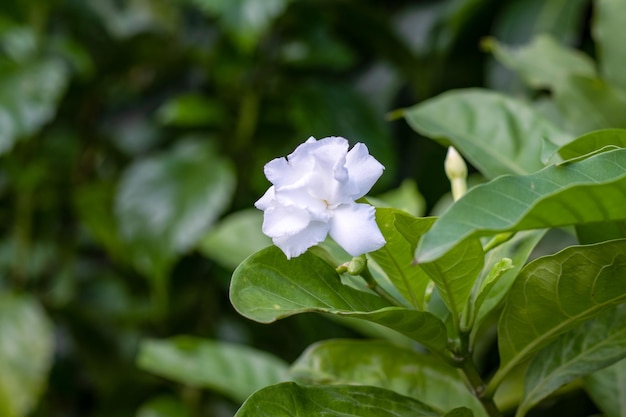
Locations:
357 264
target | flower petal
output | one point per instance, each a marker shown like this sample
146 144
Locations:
267 200
354 228
296 245
284 220
364 169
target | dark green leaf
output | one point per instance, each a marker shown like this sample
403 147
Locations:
388 366
233 370
555 293
246 21
267 287
587 191
497 134
190 110
607 388
608 31
26 348
460 412
29 95
597 343
291 400
163 406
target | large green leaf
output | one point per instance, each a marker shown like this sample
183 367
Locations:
608 31
388 366
292 400
591 190
556 293
544 63
497 134
26 348
597 343
166 202
607 388
267 287
233 370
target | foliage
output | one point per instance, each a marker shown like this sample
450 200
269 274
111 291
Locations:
132 142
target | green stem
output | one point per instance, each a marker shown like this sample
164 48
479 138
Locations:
373 285
478 387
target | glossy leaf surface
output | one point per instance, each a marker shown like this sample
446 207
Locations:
385 365
497 134
233 370
292 400
267 287
587 191
597 343
556 293
593 142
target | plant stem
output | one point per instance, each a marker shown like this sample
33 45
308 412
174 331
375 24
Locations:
373 285
478 387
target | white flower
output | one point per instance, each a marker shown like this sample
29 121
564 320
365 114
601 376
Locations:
313 195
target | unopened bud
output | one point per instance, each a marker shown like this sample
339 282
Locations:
456 171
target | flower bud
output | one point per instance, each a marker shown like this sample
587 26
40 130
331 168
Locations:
456 171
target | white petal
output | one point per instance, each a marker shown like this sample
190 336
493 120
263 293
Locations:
296 245
281 172
284 220
267 200
354 228
364 169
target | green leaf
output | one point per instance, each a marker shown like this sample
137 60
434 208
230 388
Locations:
385 365
246 21
588 103
189 110
26 348
555 293
166 202
607 388
235 237
489 298
544 63
267 287
582 192
233 370
163 406
455 273
292 400
401 232
593 142
608 31
497 134
29 95
595 344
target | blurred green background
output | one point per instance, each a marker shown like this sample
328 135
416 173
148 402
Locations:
133 135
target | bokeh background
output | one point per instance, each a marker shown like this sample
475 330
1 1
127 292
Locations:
133 135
